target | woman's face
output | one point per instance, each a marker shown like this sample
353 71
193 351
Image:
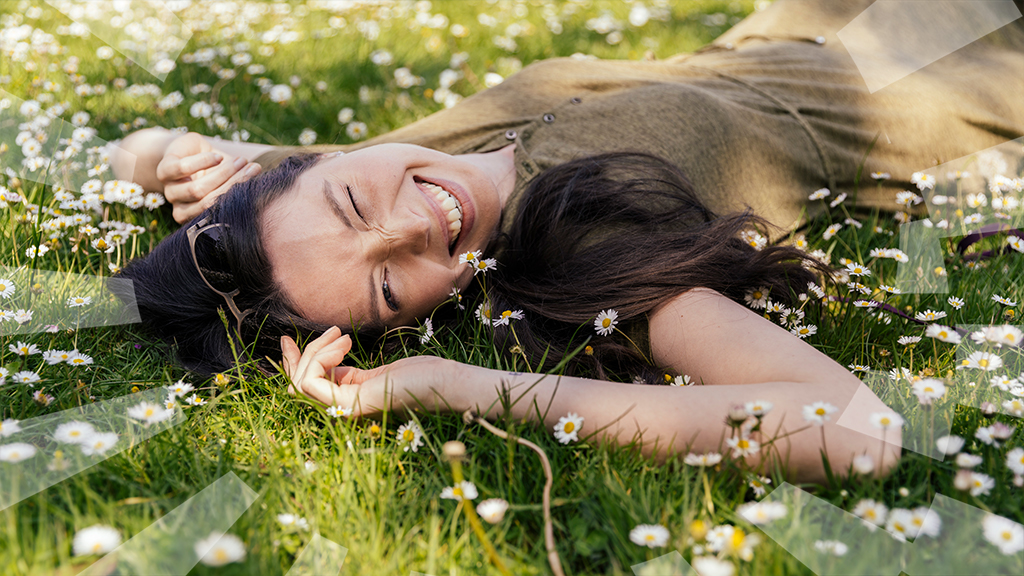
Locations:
370 236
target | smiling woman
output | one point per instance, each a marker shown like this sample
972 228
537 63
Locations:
394 218
627 186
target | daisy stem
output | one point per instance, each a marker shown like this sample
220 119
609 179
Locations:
642 355
549 532
474 521
522 351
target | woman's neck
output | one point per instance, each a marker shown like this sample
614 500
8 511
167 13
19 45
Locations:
500 166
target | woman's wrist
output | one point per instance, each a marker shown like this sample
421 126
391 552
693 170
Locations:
136 157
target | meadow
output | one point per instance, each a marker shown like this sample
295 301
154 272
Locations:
931 330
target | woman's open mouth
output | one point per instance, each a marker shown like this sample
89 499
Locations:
451 209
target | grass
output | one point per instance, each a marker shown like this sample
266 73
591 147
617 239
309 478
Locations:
366 493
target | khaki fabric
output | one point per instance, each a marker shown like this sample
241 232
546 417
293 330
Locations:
762 117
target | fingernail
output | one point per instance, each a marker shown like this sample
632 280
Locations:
217 157
239 162
252 169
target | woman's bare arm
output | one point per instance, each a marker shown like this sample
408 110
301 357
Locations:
741 357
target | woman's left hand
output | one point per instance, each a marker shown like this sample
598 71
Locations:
405 384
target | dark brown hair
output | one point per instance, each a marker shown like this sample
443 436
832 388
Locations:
623 231
628 232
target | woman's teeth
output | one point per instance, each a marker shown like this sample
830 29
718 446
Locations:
451 208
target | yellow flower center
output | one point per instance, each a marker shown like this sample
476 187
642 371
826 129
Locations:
481 265
220 555
870 514
737 538
743 444
96 547
820 411
569 427
898 527
74 433
506 313
408 435
1006 535
457 491
757 295
149 412
606 322
885 421
983 362
649 537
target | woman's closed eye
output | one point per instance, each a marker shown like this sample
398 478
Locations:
352 199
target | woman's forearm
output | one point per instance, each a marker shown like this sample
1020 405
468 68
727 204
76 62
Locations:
138 154
668 420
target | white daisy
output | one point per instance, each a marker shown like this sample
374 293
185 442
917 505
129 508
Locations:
338 411
955 302
461 490
981 360
922 181
907 340
6 288
857 269
928 390
508 315
831 231
411 436
426 331
8 427
832 547
873 513
16 452
702 460
943 333
930 315
819 194
483 313
650 535
760 513
758 408
492 510
149 413
1015 460
484 265
965 460
818 413
743 446
179 388
195 400
292 521
26 377
756 298
1003 301
1005 534
681 380
949 445
98 539
567 428
99 443
23 349
606 321
981 484
76 301
886 420
74 432
219 549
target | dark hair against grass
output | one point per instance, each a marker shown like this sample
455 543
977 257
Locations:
622 231
176 304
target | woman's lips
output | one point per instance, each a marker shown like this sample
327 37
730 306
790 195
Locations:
468 209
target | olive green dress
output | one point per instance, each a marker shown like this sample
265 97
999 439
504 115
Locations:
768 113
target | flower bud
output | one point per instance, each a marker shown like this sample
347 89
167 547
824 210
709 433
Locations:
454 450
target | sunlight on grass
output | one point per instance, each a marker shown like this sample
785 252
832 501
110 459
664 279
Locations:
322 72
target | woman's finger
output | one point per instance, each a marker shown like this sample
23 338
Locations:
172 168
242 175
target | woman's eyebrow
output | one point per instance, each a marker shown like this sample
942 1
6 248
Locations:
335 207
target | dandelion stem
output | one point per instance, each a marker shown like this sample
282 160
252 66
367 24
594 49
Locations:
642 355
549 532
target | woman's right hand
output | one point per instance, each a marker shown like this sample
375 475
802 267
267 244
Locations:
194 174
418 381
